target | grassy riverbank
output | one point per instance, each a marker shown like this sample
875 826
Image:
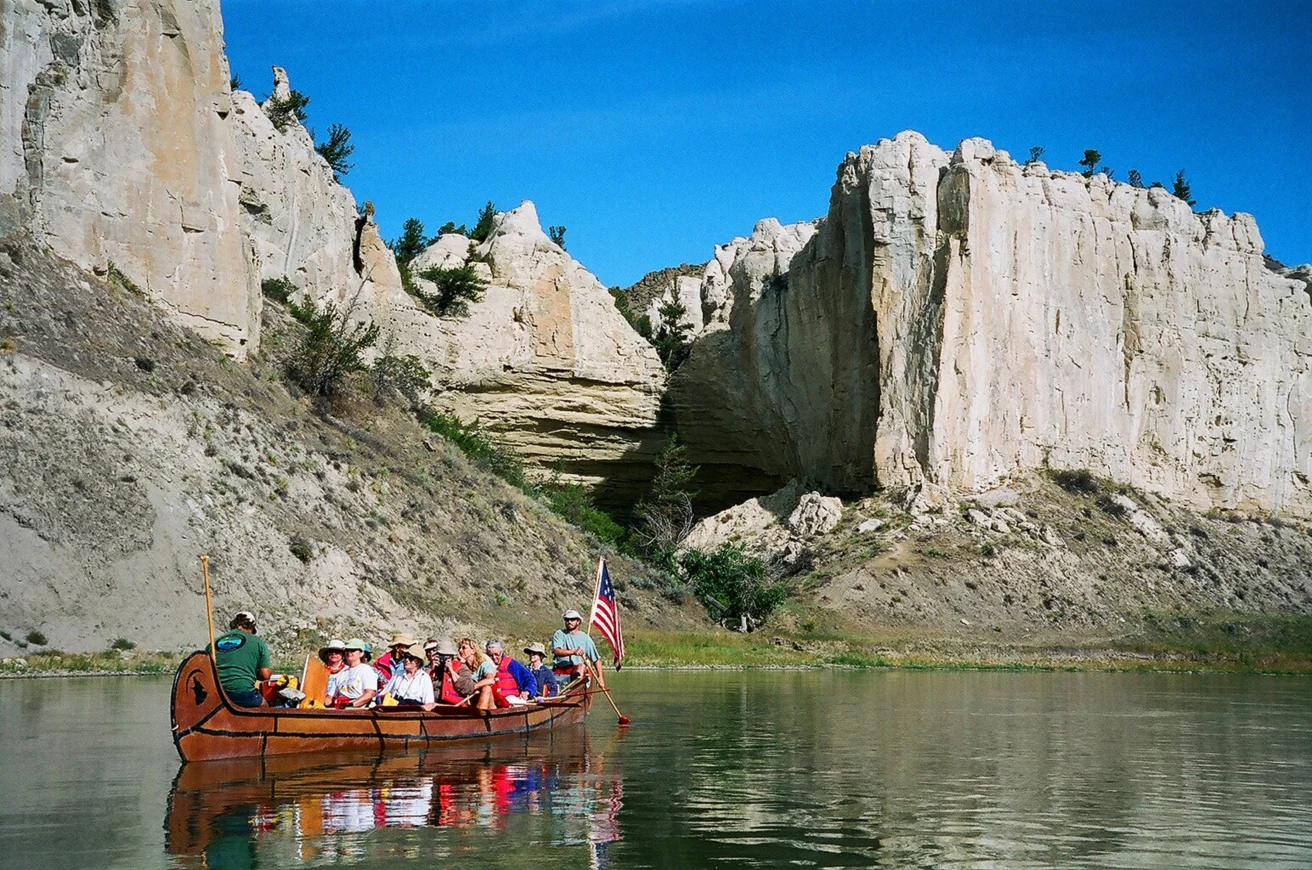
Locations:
1247 644
1235 644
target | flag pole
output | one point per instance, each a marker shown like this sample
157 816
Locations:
601 564
596 590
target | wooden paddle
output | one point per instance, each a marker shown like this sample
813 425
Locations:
624 720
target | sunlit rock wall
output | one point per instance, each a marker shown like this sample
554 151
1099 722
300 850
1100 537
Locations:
114 148
544 360
958 319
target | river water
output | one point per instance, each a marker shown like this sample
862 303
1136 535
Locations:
765 769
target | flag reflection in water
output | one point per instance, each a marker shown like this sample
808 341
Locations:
520 794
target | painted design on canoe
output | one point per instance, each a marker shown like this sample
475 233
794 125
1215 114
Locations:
206 725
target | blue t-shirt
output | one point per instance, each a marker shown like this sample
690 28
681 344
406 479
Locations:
573 640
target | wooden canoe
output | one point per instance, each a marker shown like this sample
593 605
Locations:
207 726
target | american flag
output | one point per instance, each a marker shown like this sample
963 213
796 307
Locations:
606 613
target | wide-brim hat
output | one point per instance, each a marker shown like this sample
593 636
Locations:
402 639
443 647
536 648
334 645
416 652
572 614
357 643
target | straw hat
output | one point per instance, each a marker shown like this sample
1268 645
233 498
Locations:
536 648
402 639
334 645
357 643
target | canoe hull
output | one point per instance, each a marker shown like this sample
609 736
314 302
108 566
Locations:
207 726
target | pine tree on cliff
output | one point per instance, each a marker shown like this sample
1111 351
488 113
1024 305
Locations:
406 247
486 218
336 149
1180 189
283 110
665 517
1090 162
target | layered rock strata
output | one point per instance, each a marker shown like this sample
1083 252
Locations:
544 360
958 319
115 148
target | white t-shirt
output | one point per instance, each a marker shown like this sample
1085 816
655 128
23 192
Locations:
353 682
411 687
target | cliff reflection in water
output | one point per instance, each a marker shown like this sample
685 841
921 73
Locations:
438 803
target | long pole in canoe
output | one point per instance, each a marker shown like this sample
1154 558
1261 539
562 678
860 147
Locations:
209 609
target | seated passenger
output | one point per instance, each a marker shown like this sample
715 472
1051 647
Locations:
388 664
333 655
411 686
449 674
514 684
357 684
575 653
537 666
484 673
243 661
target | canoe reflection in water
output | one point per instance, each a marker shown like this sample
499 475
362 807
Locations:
432 803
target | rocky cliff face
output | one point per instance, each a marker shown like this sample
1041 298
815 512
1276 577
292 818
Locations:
958 319
300 222
115 148
545 359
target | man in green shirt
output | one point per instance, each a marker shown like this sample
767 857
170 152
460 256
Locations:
243 661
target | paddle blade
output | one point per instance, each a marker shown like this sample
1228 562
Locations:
624 720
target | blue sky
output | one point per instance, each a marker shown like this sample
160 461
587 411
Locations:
655 129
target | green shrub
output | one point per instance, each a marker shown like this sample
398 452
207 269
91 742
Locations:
331 348
573 503
280 290
404 375
455 289
732 585
283 110
557 235
479 445
36 638
115 276
1077 480
336 149
301 547
122 643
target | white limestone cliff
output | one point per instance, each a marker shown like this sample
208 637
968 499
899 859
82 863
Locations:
958 320
544 359
300 222
114 149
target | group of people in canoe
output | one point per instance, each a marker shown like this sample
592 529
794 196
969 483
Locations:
415 674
